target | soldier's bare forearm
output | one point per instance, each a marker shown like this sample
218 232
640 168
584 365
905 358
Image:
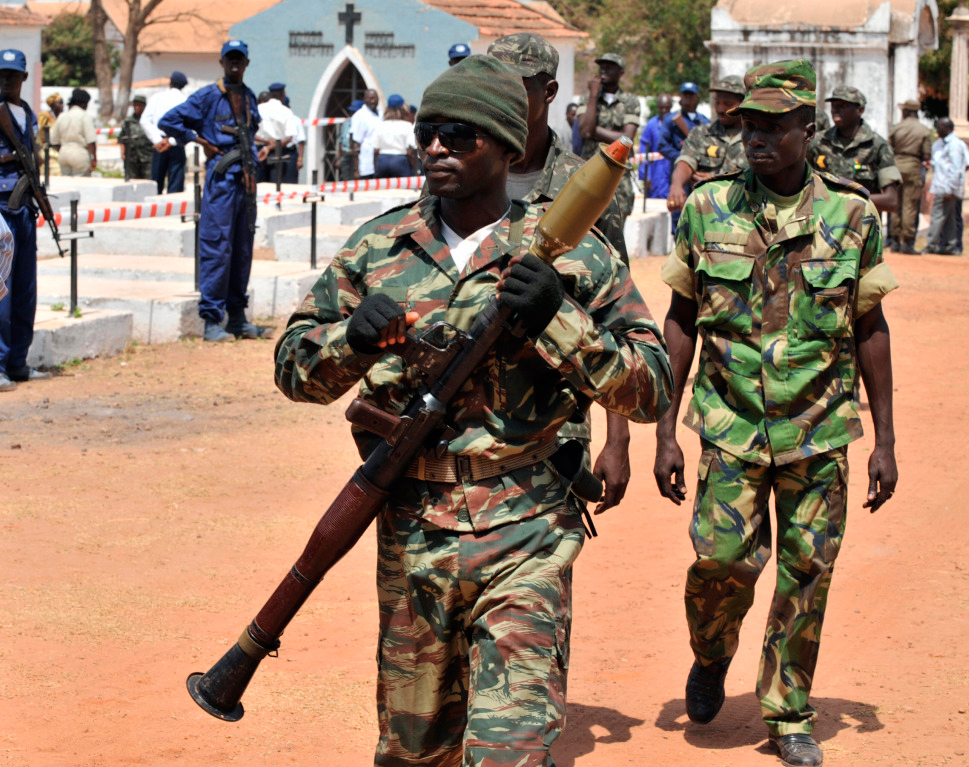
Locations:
875 363
680 333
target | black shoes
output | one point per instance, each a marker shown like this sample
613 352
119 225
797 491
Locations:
798 750
214 332
240 327
906 248
704 691
24 373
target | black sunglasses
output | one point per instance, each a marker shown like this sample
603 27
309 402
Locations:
455 137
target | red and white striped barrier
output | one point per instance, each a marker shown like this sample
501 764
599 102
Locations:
346 187
651 156
313 123
86 216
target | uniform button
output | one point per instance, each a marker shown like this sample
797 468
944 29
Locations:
463 516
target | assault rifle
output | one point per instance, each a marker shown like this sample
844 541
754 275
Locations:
242 152
29 178
446 358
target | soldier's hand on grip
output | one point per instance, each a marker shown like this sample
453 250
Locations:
533 290
378 321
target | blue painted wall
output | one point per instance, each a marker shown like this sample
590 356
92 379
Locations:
431 31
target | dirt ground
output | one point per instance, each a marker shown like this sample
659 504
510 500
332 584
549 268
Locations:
151 502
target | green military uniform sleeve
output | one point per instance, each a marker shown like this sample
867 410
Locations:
694 144
633 109
677 270
603 341
314 363
875 279
885 167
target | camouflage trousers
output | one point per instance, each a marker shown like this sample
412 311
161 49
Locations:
474 640
731 534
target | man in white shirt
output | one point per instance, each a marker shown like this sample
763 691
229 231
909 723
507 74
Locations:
949 160
362 127
167 157
278 125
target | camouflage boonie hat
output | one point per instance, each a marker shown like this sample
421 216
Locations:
730 84
849 94
780 87
526 54
612 58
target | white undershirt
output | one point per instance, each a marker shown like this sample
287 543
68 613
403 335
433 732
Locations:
608 97
19 115
463 249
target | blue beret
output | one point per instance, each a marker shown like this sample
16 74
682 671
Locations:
277 87
459 51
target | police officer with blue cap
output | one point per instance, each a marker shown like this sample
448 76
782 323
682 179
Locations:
225 237
18 308
458 52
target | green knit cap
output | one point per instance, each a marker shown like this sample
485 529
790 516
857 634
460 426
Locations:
483 92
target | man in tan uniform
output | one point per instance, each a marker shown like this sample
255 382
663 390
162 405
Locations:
911 142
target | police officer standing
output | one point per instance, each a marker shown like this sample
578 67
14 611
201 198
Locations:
711 149
851 149
607 113
912 143
18 308
225 235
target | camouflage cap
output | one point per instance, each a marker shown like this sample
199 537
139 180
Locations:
612 58
780 87
911 105
849 94
526 53
730 84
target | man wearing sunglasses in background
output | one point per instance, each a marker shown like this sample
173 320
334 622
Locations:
538 178
475 548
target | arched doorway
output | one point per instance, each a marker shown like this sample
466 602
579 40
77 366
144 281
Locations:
345 79
349 86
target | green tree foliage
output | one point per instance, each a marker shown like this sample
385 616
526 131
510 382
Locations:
67 52
662 40
934 66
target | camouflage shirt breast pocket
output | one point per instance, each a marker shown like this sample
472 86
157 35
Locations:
723 283
823 299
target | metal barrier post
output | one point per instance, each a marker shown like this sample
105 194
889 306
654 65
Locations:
74 235
47 156
196 169
313 201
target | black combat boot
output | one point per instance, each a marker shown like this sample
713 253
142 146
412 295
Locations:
704 691
240 327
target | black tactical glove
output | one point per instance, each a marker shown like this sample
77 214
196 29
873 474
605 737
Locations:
369 320
533 289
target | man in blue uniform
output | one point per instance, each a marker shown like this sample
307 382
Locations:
225 227
18 308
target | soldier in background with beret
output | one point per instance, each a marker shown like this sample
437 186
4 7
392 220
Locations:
713 148
850 148
912 144
606 113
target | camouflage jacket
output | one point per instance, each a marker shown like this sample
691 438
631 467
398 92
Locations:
602 346
138 142
777 378
866 159
710 149
560 165
623 110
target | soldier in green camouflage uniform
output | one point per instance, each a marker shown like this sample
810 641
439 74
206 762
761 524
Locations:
136 147
779 271
851 149
538 178
711 149
616 114
475 549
